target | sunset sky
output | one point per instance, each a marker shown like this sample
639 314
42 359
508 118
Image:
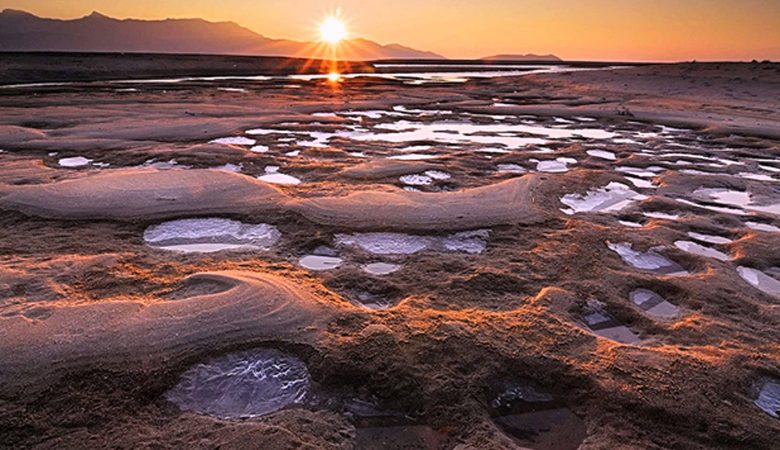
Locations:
641 30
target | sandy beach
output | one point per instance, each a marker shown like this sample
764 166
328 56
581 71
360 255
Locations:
558 257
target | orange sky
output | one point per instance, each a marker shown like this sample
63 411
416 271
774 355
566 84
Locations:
642 30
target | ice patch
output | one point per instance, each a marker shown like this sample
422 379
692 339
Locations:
242 385
654 304
416 180
697 249
760 280
76 161
511 168
472 242
603 154
769 398
649 260
210 235
320 263
234 140
610 198
710 238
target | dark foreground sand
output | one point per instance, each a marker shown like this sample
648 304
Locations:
96 326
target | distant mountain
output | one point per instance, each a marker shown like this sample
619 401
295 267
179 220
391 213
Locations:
22 31
528 57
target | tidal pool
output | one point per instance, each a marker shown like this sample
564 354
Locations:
76 161
273 176
210 235
234 140
701 250
603 324
381 268
320 263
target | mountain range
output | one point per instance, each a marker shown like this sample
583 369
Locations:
22 31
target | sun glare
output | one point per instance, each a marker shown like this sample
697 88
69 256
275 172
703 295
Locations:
333 31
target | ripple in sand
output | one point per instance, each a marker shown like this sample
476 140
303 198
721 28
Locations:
612 197
603 324
701 250
649 260
76 161
534 419
405 244
769 398
234 140
320 263
760 280
381 268
242 385
654 304
210 235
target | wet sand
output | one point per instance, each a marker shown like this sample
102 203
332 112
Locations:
519 214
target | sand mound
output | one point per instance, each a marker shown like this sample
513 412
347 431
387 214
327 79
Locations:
136 193
383 168
11 135
510 201
147 194
106 335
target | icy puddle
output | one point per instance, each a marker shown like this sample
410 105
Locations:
511 168
381 268
242 385
739 200
76 161
558 165
610 198
320 263
600 322
272 175
769 398
406 244
534 419
649 260
602 154
234 140
701 250
210 235
653 304
710 238
760 280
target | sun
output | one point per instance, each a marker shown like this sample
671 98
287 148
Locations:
333 30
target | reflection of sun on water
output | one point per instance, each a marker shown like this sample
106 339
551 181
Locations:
333 31
334 77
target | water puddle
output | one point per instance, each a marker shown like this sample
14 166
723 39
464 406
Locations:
610 198
534 419
76 161
701 250
381 268
413 157
472 242
242 385
601 323
210 235
653 304
661 215
738 199
760 280
769 398
416 180
649 260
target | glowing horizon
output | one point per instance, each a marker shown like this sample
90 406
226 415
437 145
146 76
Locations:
641 30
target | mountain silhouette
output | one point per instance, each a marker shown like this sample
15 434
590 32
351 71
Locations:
22 31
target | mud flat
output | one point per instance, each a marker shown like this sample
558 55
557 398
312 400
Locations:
250 258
